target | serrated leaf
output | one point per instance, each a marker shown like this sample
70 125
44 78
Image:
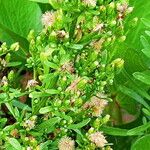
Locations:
79 125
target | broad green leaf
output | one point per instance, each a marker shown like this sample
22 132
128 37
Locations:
19 17
41 1
143 77
15 144
79 125
134 95
138 129
142 143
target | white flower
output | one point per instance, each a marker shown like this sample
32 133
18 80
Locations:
66 143
48 19
98 139
31 83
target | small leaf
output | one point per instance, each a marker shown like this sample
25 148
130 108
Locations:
14 64
79 125
14 143
45 110
51 65
46 93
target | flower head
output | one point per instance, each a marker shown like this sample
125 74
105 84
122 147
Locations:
97 105
98 139
66 143
48 19
31 83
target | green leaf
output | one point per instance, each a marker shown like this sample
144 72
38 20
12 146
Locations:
44 146
21 105
19 17
142 143
3 121
79 125
146 52
76 46
45 110
148 33
48 125
143 77
14 143
51 65
145 43
41 1
14 64
46 93
134 95
146 22
138 129
114 131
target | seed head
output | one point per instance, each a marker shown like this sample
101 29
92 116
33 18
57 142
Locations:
98 139
66 143
97 105
48 19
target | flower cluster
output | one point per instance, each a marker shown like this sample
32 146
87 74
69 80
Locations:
72 68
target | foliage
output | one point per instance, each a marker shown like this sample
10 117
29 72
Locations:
63 82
